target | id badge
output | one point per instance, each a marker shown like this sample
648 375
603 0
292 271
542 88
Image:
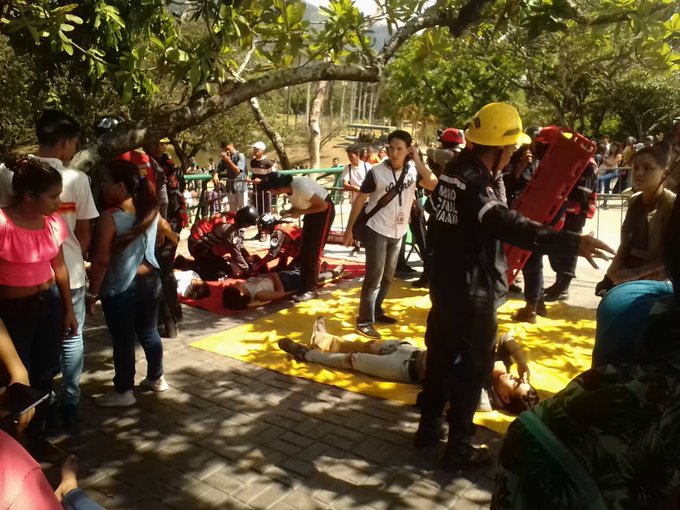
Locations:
400 218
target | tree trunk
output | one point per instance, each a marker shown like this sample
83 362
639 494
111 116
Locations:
342 102
272 134
351 102
370 108
309 88
314 125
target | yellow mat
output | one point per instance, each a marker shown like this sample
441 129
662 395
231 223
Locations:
558 348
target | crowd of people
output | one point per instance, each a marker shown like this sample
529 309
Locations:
463 204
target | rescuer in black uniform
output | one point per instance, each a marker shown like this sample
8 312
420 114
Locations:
470 224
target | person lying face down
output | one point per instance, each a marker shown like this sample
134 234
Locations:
400 361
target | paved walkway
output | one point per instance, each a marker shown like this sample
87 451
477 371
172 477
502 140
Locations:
233 435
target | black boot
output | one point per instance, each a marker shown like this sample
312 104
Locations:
430 431
559 291
460 455
423 282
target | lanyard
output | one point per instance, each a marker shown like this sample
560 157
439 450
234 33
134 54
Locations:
394 176
396 183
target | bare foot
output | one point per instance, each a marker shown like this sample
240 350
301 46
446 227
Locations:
69 480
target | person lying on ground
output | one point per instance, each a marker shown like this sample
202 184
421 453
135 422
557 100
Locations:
268 287
401 361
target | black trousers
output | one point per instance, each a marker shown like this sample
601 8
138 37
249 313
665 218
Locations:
460 341
315 230
169 307
533 278
418 231
565 265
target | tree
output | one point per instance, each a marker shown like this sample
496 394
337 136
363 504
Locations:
133 41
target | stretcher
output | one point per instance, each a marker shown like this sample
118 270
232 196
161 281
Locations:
559 170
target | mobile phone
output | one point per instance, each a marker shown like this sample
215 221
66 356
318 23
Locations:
19 399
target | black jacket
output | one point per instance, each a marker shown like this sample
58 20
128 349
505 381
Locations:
470 224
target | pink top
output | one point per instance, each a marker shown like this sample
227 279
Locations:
25 254
22 483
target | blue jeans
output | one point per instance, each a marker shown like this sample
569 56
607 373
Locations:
134 314
604 182
623 318
78 500
382 254
72 353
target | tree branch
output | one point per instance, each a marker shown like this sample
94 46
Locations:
433 16
199 109
273 135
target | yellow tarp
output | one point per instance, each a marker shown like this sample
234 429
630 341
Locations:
558 347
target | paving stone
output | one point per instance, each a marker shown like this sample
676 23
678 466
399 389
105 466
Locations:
270 497
233 435
300 501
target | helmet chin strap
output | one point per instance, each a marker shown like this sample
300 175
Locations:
498 155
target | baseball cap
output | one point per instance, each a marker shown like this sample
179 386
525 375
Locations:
259 145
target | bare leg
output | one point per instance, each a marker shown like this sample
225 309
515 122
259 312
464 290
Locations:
69 481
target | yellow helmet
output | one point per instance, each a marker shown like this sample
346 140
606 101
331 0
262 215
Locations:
497 125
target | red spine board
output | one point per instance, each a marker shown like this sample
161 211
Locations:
558 172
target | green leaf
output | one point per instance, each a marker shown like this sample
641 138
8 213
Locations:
128 89
156 42
195 74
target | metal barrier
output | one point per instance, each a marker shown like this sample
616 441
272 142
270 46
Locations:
207 204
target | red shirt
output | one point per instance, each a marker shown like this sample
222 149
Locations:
143 162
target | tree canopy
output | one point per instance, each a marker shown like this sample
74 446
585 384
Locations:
170 65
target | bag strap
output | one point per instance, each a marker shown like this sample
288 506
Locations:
389 196
572 468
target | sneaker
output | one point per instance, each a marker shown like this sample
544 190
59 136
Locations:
305 296
454 461
385 319
115 399
295 349
159 386
320 324
525 314
338 270
368 331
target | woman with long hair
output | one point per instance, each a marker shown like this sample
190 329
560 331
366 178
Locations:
639 256
35 294
126 275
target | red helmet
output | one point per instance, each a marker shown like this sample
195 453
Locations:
452 135
548 134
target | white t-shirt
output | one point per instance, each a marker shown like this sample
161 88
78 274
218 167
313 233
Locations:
392 220
184 279
355 176
76 204
303 190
